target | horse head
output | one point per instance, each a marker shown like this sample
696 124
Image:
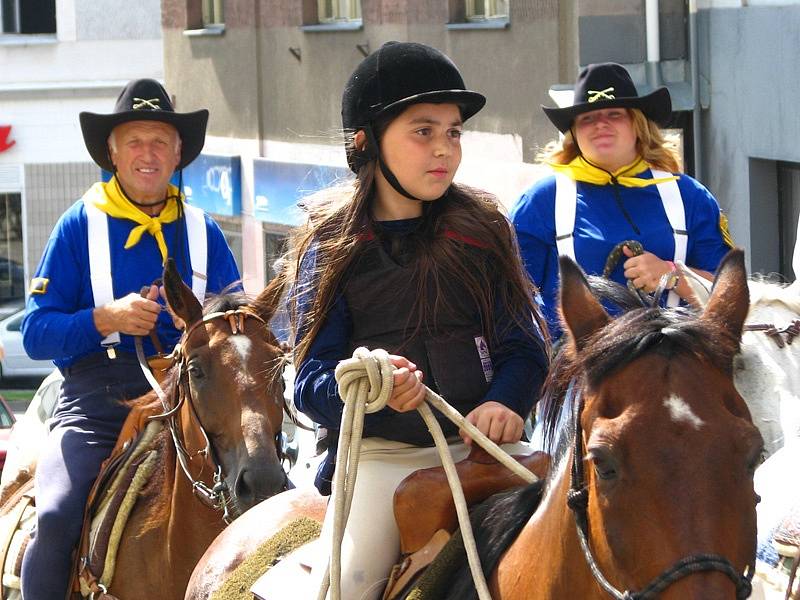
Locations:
231 387
664 450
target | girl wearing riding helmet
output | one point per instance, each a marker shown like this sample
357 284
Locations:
615 180
407 261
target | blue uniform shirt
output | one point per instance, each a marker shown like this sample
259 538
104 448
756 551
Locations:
58 324
600 225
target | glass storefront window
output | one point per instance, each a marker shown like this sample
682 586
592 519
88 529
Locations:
12 271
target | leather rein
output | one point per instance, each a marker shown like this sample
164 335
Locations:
791 331
218 496
578 502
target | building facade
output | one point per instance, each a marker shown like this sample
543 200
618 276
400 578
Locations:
272 71
58 57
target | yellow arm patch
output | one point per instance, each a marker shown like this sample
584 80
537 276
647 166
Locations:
723 229
39 285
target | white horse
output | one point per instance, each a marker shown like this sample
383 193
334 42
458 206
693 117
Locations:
768 378
768 367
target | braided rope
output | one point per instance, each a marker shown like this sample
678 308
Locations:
365 386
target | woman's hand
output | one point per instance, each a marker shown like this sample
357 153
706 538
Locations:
408 391
496 421
645 270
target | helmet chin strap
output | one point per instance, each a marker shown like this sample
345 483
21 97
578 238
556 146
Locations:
387 172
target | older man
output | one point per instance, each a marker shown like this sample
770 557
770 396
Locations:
85 303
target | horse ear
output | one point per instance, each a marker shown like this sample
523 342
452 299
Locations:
179 296
581 313
266 303
730 297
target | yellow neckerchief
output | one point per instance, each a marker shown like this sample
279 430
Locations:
109 198
579 169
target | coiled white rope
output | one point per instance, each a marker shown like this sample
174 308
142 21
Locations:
365 386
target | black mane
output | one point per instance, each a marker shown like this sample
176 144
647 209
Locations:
638 331
224 302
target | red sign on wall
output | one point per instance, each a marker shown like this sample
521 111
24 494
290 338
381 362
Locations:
5 138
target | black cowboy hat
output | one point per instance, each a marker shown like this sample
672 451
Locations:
143 100
608 85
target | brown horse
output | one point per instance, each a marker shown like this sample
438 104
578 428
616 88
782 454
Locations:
651 494
218 453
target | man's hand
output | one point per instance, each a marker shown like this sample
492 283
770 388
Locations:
496 421
133 314
408 391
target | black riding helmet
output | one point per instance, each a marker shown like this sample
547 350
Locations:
395 76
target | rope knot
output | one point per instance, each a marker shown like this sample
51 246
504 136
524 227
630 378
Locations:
578 499
374 366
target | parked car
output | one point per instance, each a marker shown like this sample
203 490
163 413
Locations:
6 423
29 432
14 362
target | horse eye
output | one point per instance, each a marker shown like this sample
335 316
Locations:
195 371
604 470
604 464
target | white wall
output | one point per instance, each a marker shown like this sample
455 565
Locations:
32 64
46 129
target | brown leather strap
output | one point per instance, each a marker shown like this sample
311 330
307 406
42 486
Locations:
413 564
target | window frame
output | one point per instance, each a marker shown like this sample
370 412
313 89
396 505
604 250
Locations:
17 14
352 7
212 13
486 14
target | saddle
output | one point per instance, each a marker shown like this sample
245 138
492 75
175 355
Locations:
113 496
426 514
17 518
426 517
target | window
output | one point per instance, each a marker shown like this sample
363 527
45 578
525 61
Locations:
274 247
480 10
12 273
213 13
788 215
332 11
232 230
28 16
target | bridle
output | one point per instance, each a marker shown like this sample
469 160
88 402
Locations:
791 331
218 496
578 502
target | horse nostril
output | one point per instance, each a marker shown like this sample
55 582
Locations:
254 485
244 487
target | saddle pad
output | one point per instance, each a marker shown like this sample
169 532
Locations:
296 534
114 507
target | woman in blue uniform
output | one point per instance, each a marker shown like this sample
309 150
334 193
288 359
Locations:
617 179
407 261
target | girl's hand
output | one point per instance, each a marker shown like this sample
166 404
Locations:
645 270
408 391
496 421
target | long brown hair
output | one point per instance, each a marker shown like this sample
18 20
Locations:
657 149
338 222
